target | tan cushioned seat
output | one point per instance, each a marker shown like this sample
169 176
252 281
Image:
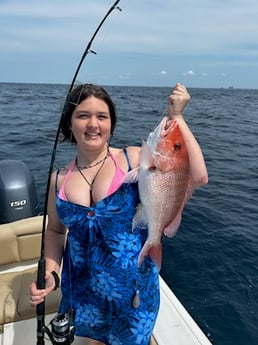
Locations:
20 244
14 297
20 240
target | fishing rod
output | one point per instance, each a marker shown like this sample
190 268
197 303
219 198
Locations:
40 310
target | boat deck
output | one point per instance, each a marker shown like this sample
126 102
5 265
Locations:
174 325
153 341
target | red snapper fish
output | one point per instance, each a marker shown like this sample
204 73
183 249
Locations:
164 186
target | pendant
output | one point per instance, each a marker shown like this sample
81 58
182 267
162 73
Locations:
136 300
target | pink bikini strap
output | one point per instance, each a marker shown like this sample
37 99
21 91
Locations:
61 190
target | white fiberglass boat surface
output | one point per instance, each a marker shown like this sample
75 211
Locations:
19 251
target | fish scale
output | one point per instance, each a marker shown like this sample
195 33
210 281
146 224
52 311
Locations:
164 200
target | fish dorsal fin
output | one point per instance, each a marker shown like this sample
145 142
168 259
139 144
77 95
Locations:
146 157
139 218
131 176
146 162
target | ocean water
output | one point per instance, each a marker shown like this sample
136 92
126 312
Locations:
212 262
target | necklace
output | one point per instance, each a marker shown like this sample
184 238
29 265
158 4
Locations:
90 184
94 164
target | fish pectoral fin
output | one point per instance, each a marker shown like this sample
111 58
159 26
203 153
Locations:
171 229
153 251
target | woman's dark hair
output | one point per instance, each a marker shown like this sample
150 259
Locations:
78 95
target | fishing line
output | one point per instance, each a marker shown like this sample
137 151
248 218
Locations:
40 310
159 119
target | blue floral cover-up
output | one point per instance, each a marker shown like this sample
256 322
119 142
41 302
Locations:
100 273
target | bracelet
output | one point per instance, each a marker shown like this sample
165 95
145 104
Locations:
56 279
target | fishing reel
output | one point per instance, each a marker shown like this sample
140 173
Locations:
62 330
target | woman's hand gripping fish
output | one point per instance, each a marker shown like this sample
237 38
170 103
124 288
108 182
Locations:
164 186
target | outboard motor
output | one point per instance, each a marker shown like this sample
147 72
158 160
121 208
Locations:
18 196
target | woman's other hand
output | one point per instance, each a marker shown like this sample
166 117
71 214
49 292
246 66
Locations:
37 296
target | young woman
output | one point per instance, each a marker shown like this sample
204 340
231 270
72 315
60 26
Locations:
90 214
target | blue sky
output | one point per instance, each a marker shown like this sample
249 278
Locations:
201 43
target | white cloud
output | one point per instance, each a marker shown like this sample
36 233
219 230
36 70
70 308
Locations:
190 72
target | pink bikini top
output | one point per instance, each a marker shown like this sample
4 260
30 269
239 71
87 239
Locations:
115 184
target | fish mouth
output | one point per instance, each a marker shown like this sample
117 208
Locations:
161 158
167 125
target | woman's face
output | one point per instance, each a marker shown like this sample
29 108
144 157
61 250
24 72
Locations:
91 123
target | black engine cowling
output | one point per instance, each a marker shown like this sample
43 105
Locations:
18 195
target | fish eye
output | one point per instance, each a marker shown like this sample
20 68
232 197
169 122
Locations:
177 146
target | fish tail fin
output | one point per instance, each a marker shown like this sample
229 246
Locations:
154 252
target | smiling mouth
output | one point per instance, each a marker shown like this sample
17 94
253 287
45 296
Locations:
92 135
